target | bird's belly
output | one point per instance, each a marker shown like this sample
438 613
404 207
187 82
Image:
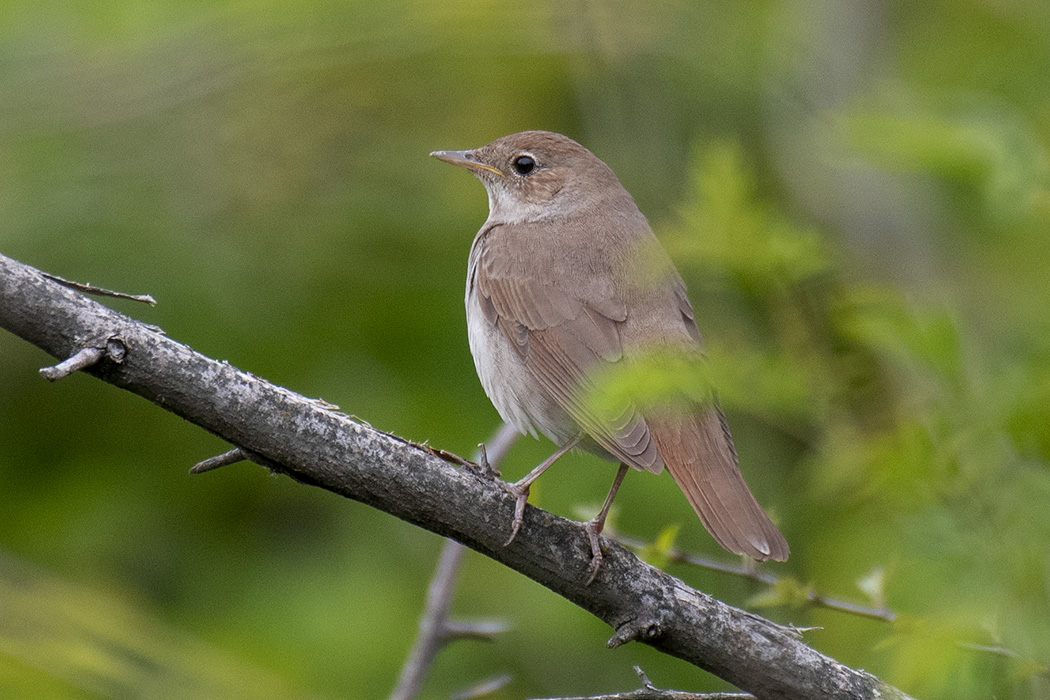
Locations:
510 386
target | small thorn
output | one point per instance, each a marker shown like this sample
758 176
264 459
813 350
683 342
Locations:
226 458
481 465
646 683
83 358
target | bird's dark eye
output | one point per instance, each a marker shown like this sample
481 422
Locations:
523 165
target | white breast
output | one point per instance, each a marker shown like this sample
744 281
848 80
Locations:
507 382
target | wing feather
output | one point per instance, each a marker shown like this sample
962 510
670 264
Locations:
561 327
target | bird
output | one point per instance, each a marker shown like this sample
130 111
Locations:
565 278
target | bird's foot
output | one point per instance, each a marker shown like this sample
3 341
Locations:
593 528
520 488
521 494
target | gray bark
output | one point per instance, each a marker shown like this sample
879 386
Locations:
319 446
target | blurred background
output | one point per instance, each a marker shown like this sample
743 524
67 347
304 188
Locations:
856 192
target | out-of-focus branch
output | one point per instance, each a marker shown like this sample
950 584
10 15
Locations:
648 691
435 628
319 446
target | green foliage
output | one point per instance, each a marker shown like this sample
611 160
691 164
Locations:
104 646
659 551
787 591
730 232
873 585
983 145
928 475
857 197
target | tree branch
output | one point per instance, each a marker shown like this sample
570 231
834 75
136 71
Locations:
436 629
750 570
648 691
317 445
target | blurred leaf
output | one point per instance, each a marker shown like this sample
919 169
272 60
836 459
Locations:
986 145
917 338
873 585
929 656
658 551
660 377
106 646
726 228
787 591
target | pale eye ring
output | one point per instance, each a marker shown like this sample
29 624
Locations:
524 164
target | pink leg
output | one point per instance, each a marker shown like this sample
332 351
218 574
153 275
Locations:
594 527
520 488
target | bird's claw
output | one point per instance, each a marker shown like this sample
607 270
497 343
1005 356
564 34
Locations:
593 529
521 498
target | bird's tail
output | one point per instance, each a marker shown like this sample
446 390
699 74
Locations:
698 451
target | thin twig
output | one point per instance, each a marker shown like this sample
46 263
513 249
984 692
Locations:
648 691
88 288
480 630
647 694
237 454
483 687
986 649
226 458
435 628
431 637
1039 667
84 358
749 571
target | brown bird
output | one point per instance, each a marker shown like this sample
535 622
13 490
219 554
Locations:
566 276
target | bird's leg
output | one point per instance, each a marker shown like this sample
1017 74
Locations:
594 527
520 488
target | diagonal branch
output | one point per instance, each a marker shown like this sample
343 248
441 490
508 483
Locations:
750 570
436 629
317 445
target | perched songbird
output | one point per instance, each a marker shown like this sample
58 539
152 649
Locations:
566 276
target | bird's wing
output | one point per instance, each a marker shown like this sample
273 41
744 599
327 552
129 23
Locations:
562 323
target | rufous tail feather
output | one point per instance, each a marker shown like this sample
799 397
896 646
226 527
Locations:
698 451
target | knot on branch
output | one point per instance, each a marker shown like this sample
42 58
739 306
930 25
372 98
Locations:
646 629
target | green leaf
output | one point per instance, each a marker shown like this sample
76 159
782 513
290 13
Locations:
787 591
659 551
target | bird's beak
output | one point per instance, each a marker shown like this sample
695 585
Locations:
466 159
